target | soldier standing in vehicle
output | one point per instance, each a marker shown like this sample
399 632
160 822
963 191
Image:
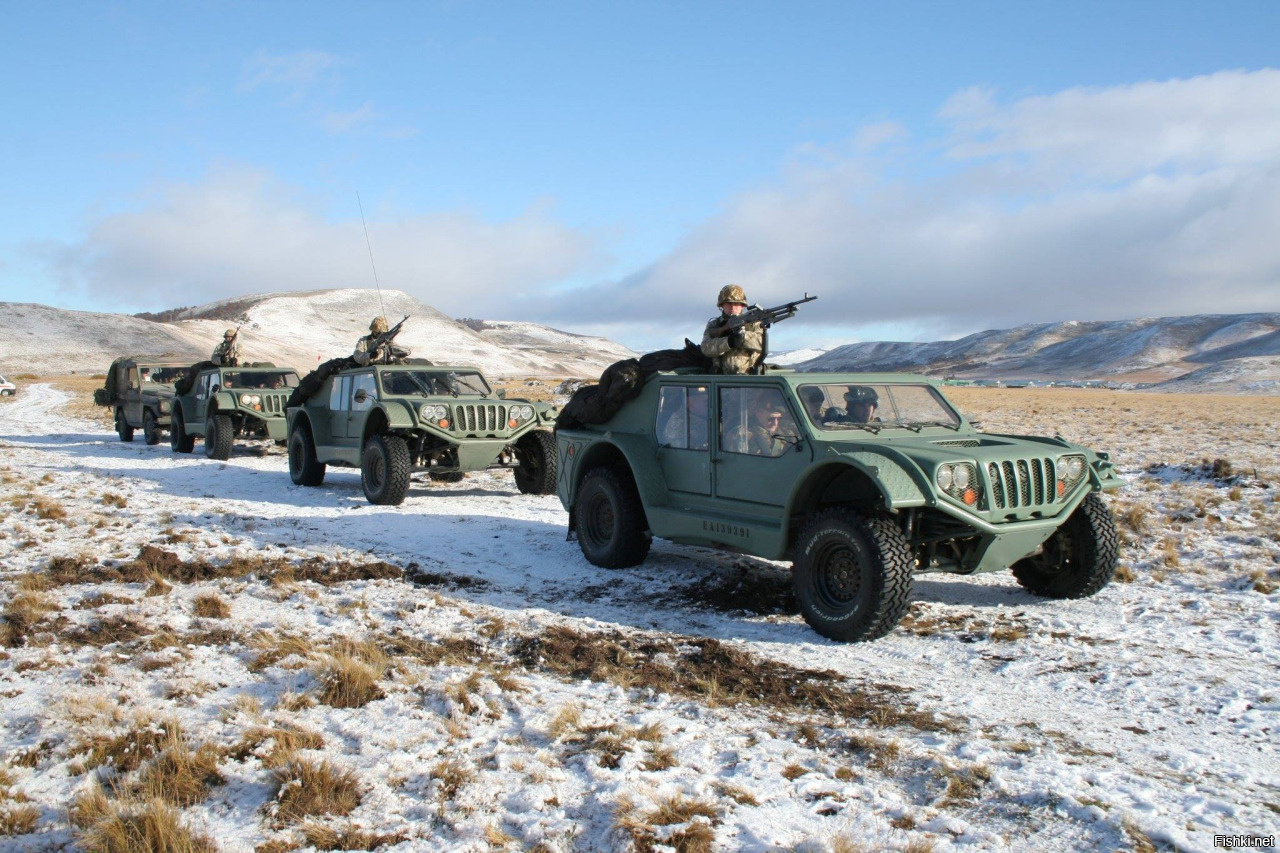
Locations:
227 353
368 351
738 351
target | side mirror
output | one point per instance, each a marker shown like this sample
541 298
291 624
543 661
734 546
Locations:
361 395
502 393
976 424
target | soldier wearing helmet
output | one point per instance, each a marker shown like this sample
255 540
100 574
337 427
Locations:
860 404
227 353
738 351
370 351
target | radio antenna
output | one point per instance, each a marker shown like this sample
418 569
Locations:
371 263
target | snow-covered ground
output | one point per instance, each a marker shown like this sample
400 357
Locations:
516 697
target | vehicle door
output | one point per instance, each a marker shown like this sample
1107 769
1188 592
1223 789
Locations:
682 431
364 396
760 446
206 387
339 408
130 381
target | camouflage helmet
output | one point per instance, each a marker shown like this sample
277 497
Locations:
731 293
378 326
229 334
861 394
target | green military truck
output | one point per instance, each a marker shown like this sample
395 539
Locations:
393 420
139 390
222 404
862 481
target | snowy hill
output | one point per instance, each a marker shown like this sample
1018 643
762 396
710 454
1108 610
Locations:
298 329
795 356
1222 349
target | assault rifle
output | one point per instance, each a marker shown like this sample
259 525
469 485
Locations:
385 339
766 317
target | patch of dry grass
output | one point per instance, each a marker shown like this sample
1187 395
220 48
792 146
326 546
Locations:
128 750
22 612
452 775
348 837
180 776
686 824
350 672
131 825
285 741
308 788
210 605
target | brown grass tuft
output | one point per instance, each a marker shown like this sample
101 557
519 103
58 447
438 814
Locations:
308 788
285 743
130 826
126 752
180 776
18 818
348 837
22 612
210 605
115 500
452 775
349 674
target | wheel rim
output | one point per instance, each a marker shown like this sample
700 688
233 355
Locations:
375 472
838 576
599 520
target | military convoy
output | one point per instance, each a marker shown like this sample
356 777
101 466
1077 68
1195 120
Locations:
139 390
221 404
863 481
394 420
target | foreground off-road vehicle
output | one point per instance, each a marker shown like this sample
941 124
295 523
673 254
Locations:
225 403
7 388
391 420
139 389
861 480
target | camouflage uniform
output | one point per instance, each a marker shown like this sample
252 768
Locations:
227 353
754 440
736 353
674 433
388 353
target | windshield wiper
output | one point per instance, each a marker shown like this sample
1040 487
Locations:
948 424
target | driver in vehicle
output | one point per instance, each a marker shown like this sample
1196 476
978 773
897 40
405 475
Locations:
759 437
860 403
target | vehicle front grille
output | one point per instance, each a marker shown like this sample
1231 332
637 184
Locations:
479 418
959 442
1024 483
273 404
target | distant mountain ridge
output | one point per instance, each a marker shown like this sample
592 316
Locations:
1203 352
299 329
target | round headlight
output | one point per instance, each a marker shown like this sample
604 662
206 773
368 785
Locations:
963 475
1062 467
945 477
425 411
1075 467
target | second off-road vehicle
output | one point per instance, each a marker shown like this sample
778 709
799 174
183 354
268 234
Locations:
222 404
861 480
7 388
139 390
392 420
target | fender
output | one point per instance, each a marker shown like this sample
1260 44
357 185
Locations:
223 401
638 452
398 415
899 481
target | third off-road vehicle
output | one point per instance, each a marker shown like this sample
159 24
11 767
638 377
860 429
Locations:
139 390
390 420
861 480
225 403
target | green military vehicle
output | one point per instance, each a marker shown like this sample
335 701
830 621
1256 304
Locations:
392 420
139 390
861 480
222 404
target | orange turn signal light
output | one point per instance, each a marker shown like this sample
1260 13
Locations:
444 424
512 423
970 497
1062 488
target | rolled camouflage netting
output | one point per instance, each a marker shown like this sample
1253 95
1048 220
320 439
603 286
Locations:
311 383
622 381
183 385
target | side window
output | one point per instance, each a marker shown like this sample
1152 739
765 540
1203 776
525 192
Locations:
133 378
363 382
755 422
339 395
682 418
202 386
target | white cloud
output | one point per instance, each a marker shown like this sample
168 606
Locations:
296 72
343 122
242 232
1142 200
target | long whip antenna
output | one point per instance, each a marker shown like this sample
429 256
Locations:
371 263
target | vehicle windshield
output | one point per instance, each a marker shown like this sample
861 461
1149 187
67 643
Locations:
266 380
162 375
874 407
425 383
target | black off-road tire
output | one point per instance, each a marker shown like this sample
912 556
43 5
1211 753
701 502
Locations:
852 575
384 470
219 435
536 474
179 441
150 429
1080 557
6 393
612 528
122 426
304 468
447 476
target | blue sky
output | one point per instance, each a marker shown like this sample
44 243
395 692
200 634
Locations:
929 169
